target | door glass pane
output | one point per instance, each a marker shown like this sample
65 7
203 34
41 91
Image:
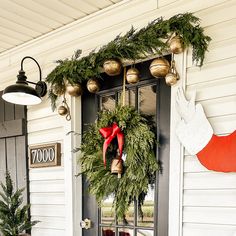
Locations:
147 220
129 217
129 98
108 231
125 232
142 232
147 101
107 212
108 102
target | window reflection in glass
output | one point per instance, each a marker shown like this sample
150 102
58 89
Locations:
107 212
147 101
142 232
108 102
108 231
129 217
147 219
125 232
129 98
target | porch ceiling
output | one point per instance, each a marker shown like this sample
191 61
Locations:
24 20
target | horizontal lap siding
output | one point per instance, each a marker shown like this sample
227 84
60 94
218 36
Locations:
47 185
209 202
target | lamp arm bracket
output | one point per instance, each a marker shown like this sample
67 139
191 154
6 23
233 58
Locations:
40 72
29 82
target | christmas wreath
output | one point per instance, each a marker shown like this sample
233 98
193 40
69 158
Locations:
130 132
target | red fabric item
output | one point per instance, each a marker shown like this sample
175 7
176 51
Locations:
109 133
108 232
220 153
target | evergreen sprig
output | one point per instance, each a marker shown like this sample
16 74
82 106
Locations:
140 165
14 219
133 45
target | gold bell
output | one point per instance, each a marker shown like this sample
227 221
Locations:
159 67
132 76
93 85
172 77
176 45
112 67
58 90
74 90
62 110
117 167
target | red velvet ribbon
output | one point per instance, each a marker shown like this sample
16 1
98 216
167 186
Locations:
109 133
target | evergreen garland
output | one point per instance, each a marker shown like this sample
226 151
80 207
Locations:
133 45
14 219
140 165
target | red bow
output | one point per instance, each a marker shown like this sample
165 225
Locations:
109 133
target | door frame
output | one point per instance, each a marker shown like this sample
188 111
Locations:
176 158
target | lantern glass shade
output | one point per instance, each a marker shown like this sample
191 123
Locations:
21 94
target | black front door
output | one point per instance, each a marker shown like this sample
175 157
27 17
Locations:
13 141
152 97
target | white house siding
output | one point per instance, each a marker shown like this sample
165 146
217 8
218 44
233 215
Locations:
47 185
201 202
209 202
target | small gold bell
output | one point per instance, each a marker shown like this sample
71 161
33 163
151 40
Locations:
171 78
112 67
117 167
58 90
176 45
93 85
74 90
62 110
132 76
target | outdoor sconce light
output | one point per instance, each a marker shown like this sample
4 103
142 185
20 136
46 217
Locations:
21 93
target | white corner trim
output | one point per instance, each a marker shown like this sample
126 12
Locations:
68 176
76 111
176 156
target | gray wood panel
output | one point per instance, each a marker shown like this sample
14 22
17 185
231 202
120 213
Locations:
12 128
2 159
11 158
20 112
21 164
1 108
13 141
9 111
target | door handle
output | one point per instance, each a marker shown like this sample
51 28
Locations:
86 224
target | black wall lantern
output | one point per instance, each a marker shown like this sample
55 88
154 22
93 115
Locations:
21 93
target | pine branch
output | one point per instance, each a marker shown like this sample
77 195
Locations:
133 45
13 218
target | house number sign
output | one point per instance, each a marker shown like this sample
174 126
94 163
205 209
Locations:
45 155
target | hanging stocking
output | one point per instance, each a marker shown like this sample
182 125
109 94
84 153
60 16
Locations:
216 153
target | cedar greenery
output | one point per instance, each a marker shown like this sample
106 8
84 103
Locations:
13 218
133 45
140 165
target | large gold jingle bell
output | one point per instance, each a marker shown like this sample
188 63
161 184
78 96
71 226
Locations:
176 45
132 76
112 67
74 90
93 85
117 167
159 67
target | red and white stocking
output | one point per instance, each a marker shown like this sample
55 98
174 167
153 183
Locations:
216 153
